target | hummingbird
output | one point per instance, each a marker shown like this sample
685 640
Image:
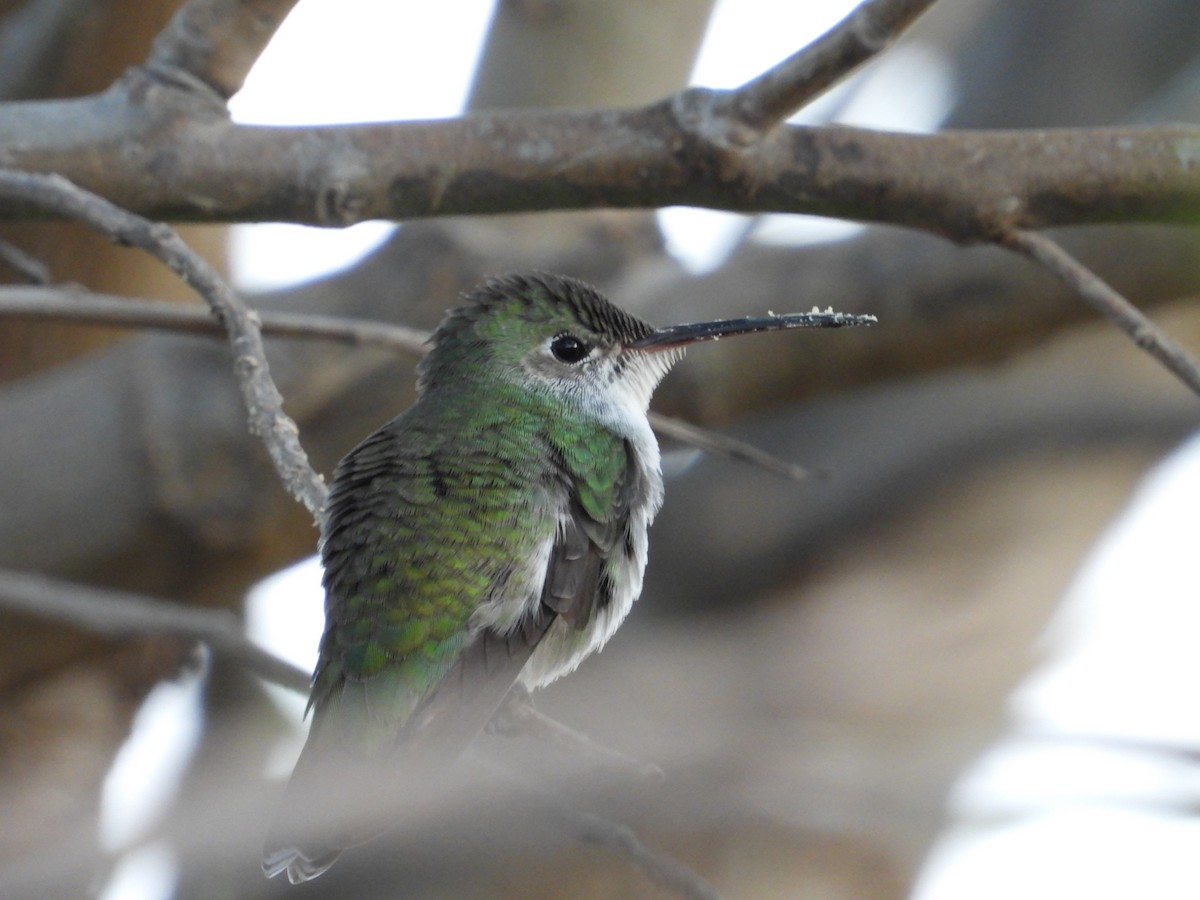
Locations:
490 537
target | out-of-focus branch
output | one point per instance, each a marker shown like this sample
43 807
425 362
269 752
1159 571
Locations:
215 42
767 100
262 399
120 613
589 828
1089 286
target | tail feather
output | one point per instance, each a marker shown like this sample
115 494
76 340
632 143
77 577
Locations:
317 818
337 797
297 862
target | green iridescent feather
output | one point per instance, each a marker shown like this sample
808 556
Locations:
397 617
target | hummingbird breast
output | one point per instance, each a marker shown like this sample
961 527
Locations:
452 520
630 495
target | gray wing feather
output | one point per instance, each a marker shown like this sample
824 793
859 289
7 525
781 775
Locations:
573 577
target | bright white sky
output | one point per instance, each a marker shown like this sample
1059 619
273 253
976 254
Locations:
355 60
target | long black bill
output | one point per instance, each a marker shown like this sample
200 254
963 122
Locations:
679 335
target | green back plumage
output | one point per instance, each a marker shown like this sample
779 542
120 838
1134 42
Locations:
441 543
397 617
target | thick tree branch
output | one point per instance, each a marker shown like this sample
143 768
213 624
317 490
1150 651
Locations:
118 613
267 419
1105 300
131 144
143 144
767 100
213 43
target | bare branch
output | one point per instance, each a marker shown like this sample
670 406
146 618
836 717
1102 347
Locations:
268 421
964 185
85 307
99 309
727 447
1108 302
764 102
213 43
119 613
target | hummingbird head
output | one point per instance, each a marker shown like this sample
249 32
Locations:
557 335
548 333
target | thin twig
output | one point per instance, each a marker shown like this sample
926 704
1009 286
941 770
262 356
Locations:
727 447
770 98
103 309
214 43
1103 298
268 421
85 307
24 264
120 613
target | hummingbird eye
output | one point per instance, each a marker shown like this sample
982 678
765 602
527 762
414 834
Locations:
569 349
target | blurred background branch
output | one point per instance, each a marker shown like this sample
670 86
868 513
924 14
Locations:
118 614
